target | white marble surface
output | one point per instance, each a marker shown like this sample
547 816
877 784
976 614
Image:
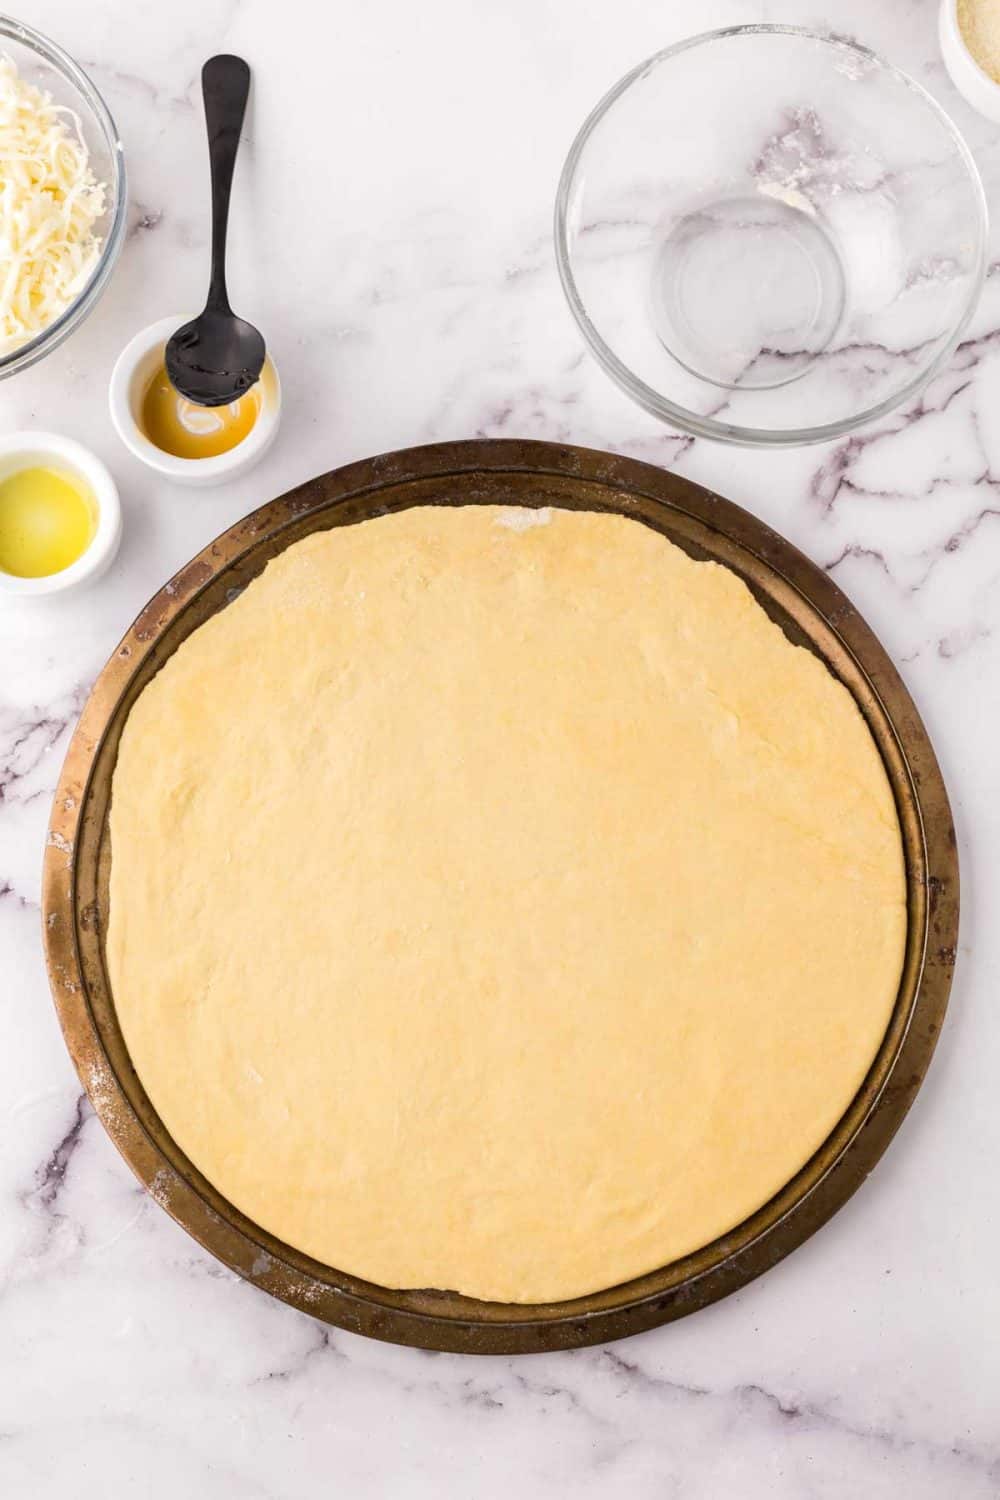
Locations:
422 144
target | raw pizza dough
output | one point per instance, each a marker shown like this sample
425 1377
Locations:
500 906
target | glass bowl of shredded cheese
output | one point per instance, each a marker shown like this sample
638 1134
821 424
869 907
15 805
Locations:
63 196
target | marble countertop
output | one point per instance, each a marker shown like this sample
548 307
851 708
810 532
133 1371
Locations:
424 143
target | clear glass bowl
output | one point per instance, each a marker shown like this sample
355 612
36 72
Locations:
769 236
41 62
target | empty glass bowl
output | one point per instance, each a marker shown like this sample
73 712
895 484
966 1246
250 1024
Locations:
41 62
769 236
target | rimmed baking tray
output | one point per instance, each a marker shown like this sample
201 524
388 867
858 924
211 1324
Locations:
809 608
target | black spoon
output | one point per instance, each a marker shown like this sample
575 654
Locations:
216 358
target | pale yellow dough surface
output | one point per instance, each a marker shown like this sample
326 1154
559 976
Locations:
503 908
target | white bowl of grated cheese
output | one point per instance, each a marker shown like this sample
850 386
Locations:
63 196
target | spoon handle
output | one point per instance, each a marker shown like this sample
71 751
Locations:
225 84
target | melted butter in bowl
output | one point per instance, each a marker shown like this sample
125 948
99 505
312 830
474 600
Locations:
48 518
60 515
186 430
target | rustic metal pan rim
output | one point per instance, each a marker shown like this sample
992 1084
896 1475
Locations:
586 479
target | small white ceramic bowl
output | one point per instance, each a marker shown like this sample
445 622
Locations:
136 366
975 86
24 450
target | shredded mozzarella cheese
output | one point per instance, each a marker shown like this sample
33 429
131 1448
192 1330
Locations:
50 201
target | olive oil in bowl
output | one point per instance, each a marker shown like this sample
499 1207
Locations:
185 430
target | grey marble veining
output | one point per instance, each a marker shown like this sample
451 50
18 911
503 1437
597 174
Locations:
421 303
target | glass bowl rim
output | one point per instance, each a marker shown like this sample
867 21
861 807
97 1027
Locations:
54 334
646 395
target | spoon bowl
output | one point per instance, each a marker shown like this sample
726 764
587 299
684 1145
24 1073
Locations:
216 358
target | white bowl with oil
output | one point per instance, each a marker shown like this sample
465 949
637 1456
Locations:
26 539
137 365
